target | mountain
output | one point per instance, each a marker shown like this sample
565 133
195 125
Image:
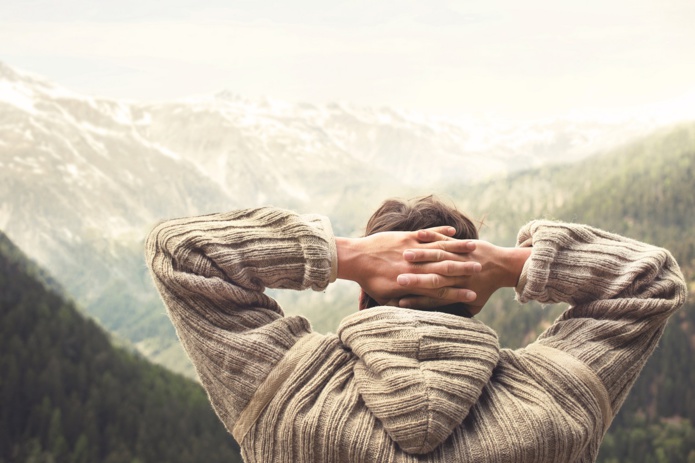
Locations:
83 179
79 187
642 188
67 394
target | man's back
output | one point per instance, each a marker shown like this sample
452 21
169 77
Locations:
402 385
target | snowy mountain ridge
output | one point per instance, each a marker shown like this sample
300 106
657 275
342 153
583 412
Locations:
82 179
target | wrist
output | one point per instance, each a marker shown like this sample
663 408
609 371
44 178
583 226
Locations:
513 264
348 251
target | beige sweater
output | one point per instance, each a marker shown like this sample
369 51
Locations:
397 385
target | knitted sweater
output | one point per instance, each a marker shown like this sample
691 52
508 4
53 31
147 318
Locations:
398 385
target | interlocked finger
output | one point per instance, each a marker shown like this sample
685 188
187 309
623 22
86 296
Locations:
448 268
432 255
443 296
435 234
455 246
430 281
446 231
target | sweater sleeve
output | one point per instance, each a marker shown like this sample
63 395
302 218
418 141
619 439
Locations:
211 272
621 293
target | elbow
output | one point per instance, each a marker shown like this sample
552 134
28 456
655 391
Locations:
681 292
156 252
676 288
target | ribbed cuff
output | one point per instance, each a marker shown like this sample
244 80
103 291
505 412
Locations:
332 248
523 277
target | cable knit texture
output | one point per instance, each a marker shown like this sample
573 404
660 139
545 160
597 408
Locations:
397 385
419 373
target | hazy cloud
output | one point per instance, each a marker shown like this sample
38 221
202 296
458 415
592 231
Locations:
517 59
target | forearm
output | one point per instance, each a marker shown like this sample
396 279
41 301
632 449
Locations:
212 271
578 264
621 293
251 249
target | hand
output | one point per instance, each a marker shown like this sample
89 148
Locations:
501 267
375 262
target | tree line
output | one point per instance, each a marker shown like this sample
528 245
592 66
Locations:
67 395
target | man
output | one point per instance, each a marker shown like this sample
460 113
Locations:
402 385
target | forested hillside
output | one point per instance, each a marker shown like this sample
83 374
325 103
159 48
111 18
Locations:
67 395
655 181
644 190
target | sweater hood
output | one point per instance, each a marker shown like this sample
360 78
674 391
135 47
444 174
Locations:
419 373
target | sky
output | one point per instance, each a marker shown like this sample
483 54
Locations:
504 58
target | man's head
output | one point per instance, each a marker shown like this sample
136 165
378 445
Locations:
418 214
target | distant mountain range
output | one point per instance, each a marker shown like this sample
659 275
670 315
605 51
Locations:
82 179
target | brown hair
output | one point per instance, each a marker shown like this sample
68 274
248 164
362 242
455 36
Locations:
417 214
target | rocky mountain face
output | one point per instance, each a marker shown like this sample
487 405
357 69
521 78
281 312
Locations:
82 179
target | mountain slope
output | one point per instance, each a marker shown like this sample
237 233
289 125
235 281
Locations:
67 395
83 179
643 188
